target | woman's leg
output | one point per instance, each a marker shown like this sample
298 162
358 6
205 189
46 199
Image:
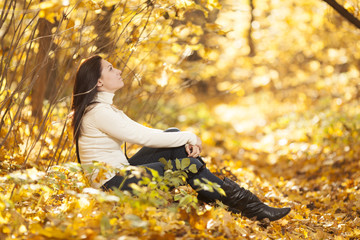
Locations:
237 198
148 155
122 182
203 173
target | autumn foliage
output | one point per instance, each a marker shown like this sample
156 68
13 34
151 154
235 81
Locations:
271 87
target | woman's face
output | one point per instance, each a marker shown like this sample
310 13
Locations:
110 79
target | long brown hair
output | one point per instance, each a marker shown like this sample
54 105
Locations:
85 90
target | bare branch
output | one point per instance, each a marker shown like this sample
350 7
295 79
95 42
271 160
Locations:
343 12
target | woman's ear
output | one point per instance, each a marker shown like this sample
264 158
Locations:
99 84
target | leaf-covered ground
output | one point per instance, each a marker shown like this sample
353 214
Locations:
307 160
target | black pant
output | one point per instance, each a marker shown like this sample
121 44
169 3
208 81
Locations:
149 157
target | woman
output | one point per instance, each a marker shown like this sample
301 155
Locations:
100 129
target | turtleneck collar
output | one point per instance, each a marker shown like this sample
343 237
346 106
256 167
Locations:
104 97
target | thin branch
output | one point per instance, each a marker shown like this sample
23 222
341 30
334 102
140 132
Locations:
343 12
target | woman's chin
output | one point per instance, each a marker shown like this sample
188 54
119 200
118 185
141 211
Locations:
121 87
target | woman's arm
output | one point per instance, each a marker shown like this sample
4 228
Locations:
116 124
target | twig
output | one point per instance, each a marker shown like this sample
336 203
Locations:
343 12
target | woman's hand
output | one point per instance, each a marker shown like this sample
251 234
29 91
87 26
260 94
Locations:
194 150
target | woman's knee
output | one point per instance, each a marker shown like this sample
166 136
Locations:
172 129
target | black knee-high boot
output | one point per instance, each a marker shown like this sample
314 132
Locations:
249 205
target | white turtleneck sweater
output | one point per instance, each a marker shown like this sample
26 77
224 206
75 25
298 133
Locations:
104 129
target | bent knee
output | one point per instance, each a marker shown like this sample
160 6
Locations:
172 129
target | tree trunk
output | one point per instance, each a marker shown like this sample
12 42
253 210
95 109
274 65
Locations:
42 75
102 28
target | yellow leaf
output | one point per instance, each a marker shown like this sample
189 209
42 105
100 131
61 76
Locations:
298 216
22 229
113 221
6 229
284 222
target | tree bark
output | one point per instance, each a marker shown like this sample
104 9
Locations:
42 60
343 12
102 28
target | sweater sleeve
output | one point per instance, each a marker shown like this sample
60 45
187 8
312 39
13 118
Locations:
117 125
